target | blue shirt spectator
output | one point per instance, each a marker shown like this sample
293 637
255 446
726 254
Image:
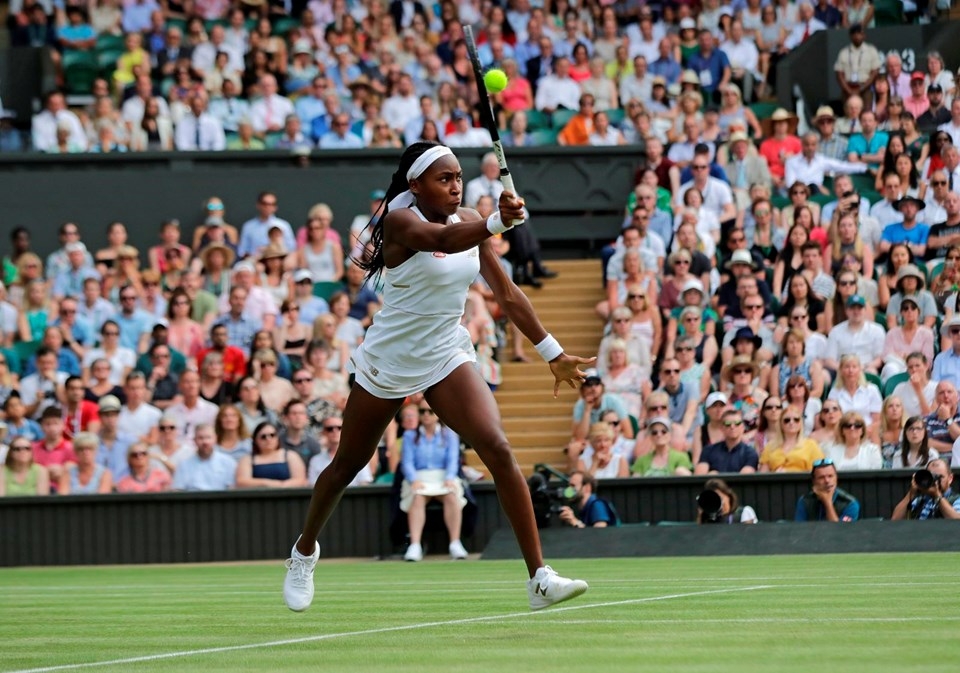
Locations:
709 68
69 283
217 472
133 325
67 361
255 234
946 366
240 331
722 458
440 452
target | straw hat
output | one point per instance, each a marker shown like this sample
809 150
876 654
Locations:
273 251
228 254
736 362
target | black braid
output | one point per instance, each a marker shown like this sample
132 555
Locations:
373 264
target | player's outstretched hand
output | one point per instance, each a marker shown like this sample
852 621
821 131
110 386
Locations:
511 207
567 368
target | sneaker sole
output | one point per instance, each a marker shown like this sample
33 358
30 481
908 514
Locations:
578 590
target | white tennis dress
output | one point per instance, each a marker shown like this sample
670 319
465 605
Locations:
416 338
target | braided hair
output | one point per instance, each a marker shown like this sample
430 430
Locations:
373 264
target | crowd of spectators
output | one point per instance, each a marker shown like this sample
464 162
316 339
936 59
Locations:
338 74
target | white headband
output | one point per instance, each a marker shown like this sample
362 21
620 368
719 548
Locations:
424 161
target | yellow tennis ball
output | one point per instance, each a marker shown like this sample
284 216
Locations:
495 80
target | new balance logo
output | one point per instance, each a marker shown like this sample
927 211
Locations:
540 590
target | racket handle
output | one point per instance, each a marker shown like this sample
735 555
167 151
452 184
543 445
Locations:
507 180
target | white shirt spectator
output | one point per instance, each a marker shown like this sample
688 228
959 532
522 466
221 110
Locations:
205 56
812 172
204 413
132 110
216 473
31 388
472 137
138 423
270 111
136 15
554 92
866 400
631 87
481 186
44 129
122 360
802 31
911 403
209 136
743 55
884 213
255 235
260 303
716 195
398 111
867 342
954 131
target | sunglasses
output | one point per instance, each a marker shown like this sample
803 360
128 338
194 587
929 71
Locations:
791 419
331 428
21 448
742 371
303 379
266 435
822 462
698 167
655 407
732 424
799 317
636 296
938 183
751 307
684 348
138 454
669 371
846 283
622 320
858 426
165 428
423 412
830 410
916 427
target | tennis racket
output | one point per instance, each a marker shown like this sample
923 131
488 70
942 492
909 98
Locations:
487 119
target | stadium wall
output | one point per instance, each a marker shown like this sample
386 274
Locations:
260 524
574 195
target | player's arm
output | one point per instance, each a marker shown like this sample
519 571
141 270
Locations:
403 230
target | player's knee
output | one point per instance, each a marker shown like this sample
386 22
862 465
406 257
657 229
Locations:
498 456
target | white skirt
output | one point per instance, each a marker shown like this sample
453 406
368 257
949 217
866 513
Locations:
433 486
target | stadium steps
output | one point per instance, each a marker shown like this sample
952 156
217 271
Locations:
537 425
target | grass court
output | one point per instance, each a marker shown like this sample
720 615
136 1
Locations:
850 613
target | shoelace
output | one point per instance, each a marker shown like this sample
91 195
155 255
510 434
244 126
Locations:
301 574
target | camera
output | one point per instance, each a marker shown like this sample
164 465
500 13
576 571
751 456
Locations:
924 479
711 505
549 500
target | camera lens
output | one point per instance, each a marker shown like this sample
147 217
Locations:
923 479
710 504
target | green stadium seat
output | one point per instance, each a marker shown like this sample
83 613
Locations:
893 382
874 379
325 289
543 137
561 117
272 139
179 23
284 25
537 120
888 12
79 71
616 115
934 272
213 22
763 110
107 61
107 42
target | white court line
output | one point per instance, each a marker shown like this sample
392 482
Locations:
764 620
387 629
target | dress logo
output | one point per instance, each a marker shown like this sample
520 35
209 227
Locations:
439 255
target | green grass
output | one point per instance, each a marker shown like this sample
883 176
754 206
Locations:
852 613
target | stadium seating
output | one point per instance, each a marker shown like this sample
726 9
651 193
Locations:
80 69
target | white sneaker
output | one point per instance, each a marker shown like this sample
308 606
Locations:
298 584
457 552
414 552
547 588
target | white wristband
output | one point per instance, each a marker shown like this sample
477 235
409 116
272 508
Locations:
495 225
549 348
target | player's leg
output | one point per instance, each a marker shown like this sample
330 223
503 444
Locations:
364 421
464 402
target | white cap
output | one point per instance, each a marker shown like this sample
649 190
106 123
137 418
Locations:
693 284
713 398
245 266
75 246
301 275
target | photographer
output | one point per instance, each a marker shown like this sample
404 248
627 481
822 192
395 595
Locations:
825 501
718 503
930 495
591 511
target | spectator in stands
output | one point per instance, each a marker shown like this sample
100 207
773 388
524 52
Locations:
233 437
431 464
557 90
53 451
855 393
138 418
910 285
917 394
135 108
856 336
189 407
45 125
591 510
143 476
234 360
269 464
663 460
868 146
207 469
464 134
684 401
712 65
730 511
943 428
296 434
790 450
730 455
40 390
946 366
21 475
578 130
267 115
810 166
780 145
86 476
200 130
340 137
826 501
716 194
857 65
937 501
745 167
245 139
228 108
593 401
113 445
852 450
936 114
255 233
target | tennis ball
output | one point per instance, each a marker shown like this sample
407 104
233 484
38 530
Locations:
496 80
